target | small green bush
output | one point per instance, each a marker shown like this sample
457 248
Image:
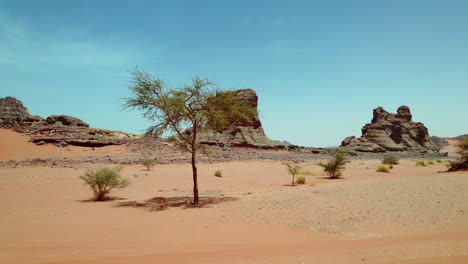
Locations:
336 165
300 180
439 161
293 169
148 163
462 162
102 181
382 168
421 163
218 173
390 167
430 162
390 159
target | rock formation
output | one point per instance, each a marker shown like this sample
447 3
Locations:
392 132
246 134
66 121
61 130
12 112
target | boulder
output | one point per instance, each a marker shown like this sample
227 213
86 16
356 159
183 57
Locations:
66 121
392 132
249 133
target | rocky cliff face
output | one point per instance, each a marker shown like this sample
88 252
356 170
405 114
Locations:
392 132
12 112
246 134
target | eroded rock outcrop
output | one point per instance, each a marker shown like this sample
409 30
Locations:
12 112
61 130
392 132
245 134
66 121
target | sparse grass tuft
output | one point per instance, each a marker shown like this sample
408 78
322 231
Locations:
421 163
439 161
430 162
390 159
300 180
218 173
382 168
148 163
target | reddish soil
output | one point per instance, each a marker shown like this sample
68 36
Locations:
411 215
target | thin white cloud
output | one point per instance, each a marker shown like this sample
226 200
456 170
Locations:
24 49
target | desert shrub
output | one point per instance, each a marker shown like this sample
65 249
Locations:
148 163
336 165
300 180
390 167
382 168
218 173
430 162
103 180
293 169
421 163
462 162
390 159
438 161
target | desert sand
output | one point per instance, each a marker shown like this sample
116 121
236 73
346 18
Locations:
410 215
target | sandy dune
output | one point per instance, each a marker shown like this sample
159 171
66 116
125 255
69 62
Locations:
410 215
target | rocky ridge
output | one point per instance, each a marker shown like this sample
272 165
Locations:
389 132
62 130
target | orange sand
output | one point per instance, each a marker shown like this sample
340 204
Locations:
411 215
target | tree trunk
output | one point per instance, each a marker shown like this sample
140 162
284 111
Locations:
195 178
292 181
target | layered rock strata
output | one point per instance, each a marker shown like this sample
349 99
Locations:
246 134
389 132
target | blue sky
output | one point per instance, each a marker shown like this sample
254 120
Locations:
318 67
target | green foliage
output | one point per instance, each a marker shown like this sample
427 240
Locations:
430 162
421 163
462 162
293 169
102 181
218 173
185 111
382 168
336 165
390 159
300 180
390 167
148 163
438 161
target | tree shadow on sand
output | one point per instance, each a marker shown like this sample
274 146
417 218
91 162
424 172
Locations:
162 203
105 199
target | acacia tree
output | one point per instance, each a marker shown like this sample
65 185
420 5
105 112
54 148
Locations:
185 111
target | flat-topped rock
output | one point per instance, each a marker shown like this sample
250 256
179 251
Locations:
245 134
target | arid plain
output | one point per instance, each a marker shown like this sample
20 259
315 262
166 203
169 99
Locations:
410 215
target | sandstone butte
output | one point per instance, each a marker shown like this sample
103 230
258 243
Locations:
389 132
